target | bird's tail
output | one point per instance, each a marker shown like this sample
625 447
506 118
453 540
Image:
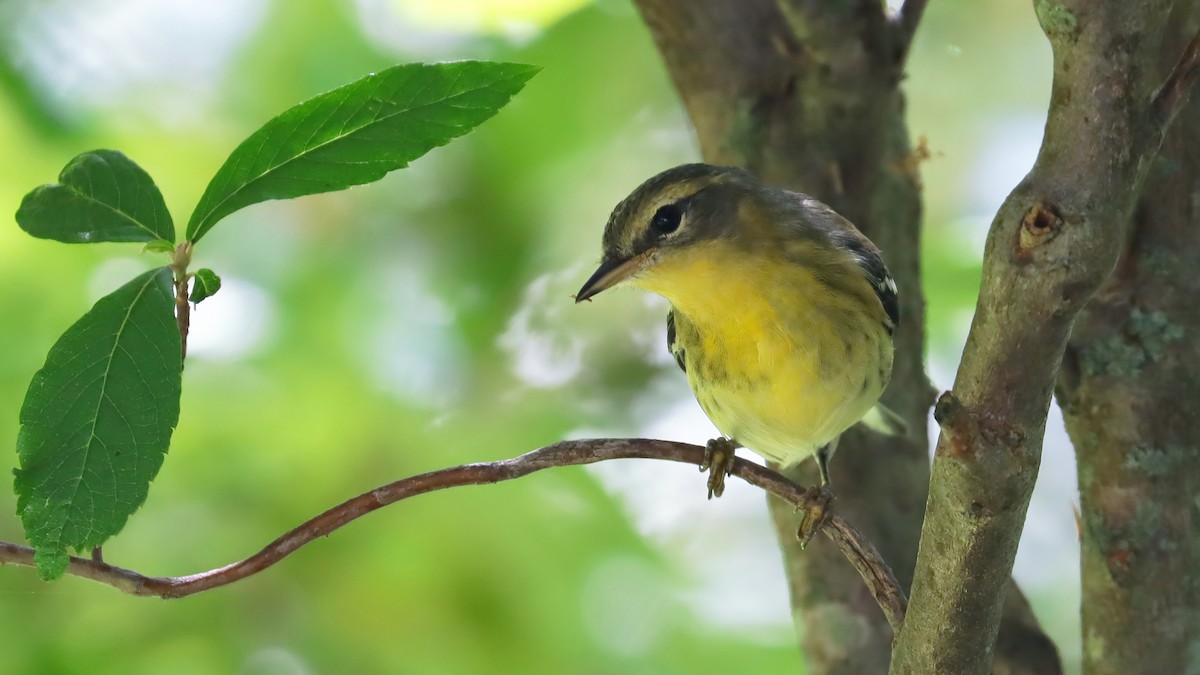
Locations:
884 421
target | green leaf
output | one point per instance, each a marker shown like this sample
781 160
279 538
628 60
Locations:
101 196
358 133
97 420
205 284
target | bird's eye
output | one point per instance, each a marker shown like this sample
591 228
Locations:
666 219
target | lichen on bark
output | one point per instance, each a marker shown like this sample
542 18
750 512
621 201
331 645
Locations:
1129 394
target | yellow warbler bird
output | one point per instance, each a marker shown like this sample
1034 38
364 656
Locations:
782 312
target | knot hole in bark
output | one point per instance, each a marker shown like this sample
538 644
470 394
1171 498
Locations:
948 413
1042 222
946 407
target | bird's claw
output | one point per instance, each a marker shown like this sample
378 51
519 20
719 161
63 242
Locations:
718 461
816 509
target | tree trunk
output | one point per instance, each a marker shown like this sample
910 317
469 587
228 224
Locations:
806 95
1129 391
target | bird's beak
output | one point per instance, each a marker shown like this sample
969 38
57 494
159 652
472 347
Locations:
612 272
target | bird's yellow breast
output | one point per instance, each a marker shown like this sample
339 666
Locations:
778 359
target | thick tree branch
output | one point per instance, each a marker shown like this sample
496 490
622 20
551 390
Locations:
1053 242
860 552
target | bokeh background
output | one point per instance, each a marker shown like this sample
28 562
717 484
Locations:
426 321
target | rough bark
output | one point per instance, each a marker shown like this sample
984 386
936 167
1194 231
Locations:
806 94
1052 244
1129 393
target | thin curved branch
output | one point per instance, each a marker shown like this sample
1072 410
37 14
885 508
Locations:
860 552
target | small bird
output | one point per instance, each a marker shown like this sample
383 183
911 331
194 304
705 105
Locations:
782 312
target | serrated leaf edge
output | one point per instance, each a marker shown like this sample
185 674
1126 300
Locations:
203 225
150 280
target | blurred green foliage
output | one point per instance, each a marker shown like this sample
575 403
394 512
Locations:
416 323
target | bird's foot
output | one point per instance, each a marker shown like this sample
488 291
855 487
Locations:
718 461
816 509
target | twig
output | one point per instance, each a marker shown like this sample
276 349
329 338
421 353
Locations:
860 552
1174 92
906 21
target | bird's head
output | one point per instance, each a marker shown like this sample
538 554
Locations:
675 212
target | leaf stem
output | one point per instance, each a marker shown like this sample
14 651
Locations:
180 259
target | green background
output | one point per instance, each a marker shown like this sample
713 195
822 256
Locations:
425 321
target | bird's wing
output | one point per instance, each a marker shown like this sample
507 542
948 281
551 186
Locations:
844 234
871 261
674 347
